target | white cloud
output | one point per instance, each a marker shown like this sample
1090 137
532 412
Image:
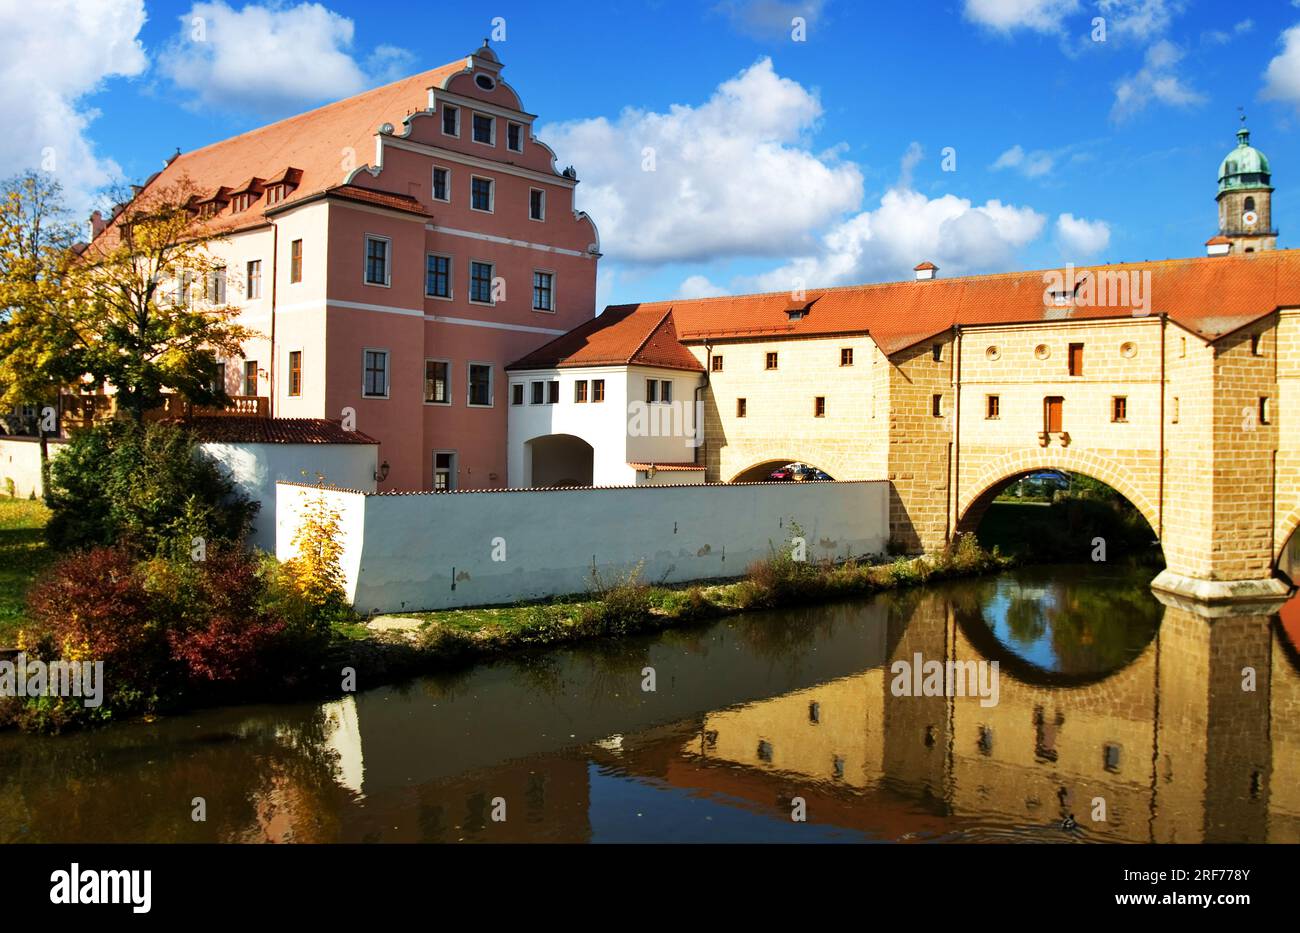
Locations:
699 286
1079 237
1009 15
1142 20
733 176
885 243
1157 81
1224 36
1282 78
50 58
1030 164
271 59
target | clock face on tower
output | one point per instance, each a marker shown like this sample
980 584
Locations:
1250 218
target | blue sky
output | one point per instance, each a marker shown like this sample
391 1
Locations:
774 160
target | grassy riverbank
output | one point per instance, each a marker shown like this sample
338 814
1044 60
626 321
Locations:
628 606
23 555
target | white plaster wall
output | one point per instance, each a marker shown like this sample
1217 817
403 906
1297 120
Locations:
256 468
20 460
603 425
670 429
433 551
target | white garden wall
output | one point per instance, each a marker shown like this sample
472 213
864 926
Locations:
20 461
415 551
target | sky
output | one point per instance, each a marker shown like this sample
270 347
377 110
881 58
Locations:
729 146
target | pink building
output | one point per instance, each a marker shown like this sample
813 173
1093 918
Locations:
395 251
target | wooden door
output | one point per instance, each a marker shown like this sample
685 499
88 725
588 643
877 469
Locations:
1053 414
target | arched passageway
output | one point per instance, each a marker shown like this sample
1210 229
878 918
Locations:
781 469
559 460
1060 515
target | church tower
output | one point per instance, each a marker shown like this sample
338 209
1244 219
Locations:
1245 200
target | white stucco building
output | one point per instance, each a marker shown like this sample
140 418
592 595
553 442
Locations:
613 403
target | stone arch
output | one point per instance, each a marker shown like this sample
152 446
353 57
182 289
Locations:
1286 529
976 496
770 462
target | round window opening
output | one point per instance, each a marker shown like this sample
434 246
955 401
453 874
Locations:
1042 352
485 82
993 353
1128 350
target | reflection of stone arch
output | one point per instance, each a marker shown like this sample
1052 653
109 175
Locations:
978 495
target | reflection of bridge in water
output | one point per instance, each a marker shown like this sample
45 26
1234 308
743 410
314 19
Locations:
1172 743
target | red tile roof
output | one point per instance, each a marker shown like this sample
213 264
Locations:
644 335
1210 296
309 143
234 429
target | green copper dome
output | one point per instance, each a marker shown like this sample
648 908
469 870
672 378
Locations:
1245 166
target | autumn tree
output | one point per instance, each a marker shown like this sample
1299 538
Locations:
155 316
40 340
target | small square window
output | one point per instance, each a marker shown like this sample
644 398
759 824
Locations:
480 194
485 129
597 390
1110 756
441 184
985 743
450 120
936 405
1119 408
517 393
538 390
837 767
814 712
936 351
992 407
553 392
765 751
770 362
652 390
580 391
665 391
846 356
715 364
295 373
1265 409
514 137
375 375
819 407
437 382
741 407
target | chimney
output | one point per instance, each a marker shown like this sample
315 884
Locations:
97 224
925 270
1218 246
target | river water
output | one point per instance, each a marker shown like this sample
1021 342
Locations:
1116 718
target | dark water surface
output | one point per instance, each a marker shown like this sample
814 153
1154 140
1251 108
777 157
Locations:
1105 699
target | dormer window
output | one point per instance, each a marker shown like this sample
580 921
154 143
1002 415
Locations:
241 202
275 193
208 209
796 314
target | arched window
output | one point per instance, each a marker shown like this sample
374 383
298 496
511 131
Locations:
1250 204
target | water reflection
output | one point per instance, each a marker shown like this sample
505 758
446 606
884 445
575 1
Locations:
1105 695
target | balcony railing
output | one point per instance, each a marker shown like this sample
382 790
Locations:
83 411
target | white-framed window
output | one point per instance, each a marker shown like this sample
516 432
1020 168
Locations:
482 194
437 276
374 373
480 282
515 137
537 392
214 286
444 470
378 260
441 183
516 393
553 392
254 279
479 385
450 120
437 382
485 129
543 291
536 204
